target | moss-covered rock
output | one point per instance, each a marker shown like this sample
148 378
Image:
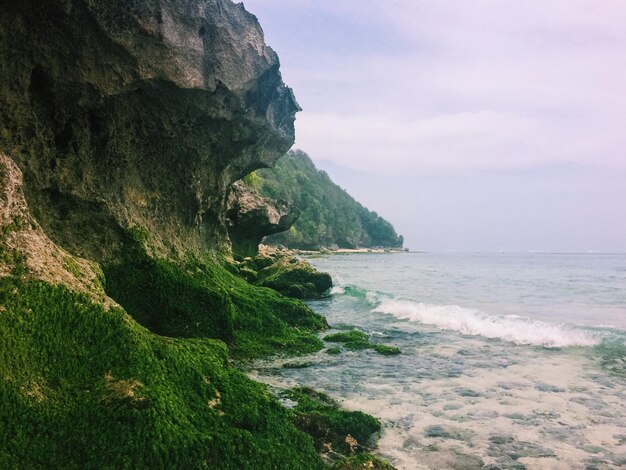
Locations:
294 278
386 350
334 430
356 336
358 345
85 387
282 271
203 299
357 340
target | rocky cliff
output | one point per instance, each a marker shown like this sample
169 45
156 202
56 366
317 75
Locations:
123 125
138 115
251 217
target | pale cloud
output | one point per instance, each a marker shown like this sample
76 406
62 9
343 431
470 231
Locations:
422 89
473 83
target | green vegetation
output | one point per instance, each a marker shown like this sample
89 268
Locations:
9 256
72 266
203 299
357 345
350 336
356 340
84 387
299 280
333 351
320 416
284 273
386 350
330 217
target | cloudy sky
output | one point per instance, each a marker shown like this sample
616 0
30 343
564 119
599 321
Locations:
470 125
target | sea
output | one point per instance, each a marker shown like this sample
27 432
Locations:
508 361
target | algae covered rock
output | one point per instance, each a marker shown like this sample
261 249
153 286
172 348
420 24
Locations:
294 278
123 126
353 336
356 340
282 271
86 387
335 431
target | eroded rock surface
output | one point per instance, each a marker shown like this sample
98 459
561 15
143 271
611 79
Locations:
26 251
138 115
252 217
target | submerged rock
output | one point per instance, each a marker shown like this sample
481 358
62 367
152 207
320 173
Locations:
357 340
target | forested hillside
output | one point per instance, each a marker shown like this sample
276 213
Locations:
329 217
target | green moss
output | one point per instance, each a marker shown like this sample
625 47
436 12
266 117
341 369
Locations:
386 350
206 300
321 417
333 351
72 266
362 462
350 336
252 179
356 340
18 223
138 234
357 345
83 387
297 280
9 256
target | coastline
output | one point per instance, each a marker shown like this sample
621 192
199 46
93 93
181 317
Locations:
343 251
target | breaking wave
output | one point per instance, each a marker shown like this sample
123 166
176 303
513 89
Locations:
513 328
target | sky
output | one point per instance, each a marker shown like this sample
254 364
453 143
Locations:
470 125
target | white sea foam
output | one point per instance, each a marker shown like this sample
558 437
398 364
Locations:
519 330
337 290
372 298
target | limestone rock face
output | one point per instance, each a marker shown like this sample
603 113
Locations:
138 114
252 217
26 251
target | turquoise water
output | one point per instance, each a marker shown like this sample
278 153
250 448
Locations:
513 361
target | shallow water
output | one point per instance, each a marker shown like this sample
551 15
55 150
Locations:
514 361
